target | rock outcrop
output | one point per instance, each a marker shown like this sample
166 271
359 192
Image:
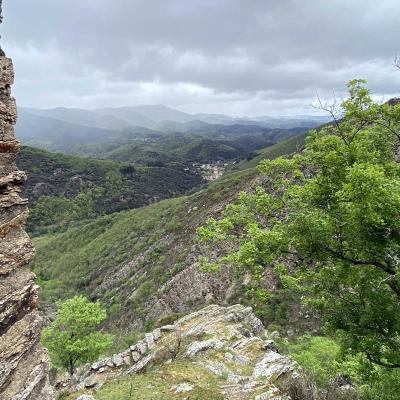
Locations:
223 346
23 361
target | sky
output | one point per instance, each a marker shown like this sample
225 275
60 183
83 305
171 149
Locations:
238 57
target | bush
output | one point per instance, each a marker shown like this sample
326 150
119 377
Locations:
317 356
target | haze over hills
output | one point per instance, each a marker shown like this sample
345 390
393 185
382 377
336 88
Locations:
153 132
155 116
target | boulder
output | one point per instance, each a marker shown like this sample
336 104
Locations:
141 365
272 366
127 360
117 360
142 346
198 346
98 364
156 334
167 328
90 382
149 340
136 356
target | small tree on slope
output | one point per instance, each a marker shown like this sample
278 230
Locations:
335 210
72 338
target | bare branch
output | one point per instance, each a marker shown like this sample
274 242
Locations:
332 109
396 62
382 363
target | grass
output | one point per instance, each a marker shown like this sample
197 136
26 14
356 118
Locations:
156 383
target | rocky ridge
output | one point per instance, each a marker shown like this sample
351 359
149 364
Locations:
23 361
224 345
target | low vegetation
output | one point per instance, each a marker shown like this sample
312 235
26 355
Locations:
323 365
156 383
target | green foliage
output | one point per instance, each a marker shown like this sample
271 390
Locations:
206 266
321 359
382 384
72 337
51 210
316 355
63 188
334 211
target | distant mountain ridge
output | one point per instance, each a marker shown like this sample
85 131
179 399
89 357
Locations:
117 132
160 116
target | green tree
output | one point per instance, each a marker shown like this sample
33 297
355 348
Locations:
333 210
72 337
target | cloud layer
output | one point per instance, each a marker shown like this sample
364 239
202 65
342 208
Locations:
241 57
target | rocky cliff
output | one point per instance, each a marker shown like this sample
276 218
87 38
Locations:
23 362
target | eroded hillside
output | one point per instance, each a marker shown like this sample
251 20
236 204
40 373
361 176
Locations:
144 263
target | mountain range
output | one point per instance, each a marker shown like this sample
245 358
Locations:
38 124
159 116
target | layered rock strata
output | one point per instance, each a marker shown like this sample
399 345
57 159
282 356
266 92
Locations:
23 361
225 342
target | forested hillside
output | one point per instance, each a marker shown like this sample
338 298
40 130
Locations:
125 258
64 188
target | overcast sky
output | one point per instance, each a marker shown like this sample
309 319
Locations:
239 57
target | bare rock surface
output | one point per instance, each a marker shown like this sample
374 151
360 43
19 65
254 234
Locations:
23 362
182 388
224 342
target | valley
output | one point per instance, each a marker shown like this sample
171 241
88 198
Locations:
199 200
123 229
106 165
64 188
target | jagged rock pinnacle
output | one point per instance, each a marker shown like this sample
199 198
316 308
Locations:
23 362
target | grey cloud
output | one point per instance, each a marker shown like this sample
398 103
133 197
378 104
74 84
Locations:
243 54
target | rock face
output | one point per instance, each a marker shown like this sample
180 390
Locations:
23 362
227 343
